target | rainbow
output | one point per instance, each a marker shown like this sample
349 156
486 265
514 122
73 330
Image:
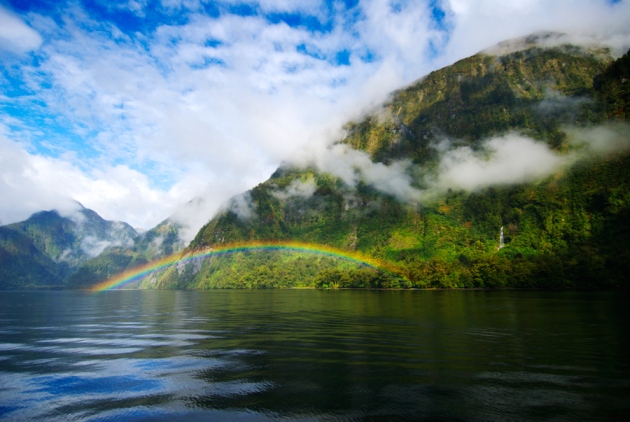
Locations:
141 271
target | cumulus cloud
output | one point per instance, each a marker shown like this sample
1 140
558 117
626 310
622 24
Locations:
15 35
556 104
22 192
617 42
93 242
513 158
31 183
192 216
227 113
505 160
92 246
157 242
480 24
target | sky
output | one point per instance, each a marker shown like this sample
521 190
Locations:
135 107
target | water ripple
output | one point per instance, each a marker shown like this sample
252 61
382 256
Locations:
313 355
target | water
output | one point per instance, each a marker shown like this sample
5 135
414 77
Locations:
312 355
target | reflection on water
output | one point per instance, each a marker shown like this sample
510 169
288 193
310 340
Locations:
342 355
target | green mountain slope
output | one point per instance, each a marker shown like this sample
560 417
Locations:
48 247
23 265
479 97
567 227
167 238
162 240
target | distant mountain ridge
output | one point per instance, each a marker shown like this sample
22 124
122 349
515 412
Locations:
162 240
75 238
165 239
59 244
78 249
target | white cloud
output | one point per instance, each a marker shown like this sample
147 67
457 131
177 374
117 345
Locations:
353 166
31 183
15 35
505 160
22 194
602 141
241 205
195 214
303 6
513 158
93 246
166 116
480 24
297 188
510 159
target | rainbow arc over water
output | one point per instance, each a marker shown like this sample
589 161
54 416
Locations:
141 271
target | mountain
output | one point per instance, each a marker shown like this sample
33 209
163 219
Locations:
23 265
82 249
47 248
509 168
162 240
506 169
167 238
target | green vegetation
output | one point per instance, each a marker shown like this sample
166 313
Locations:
47 248
478 97
160 241
103 267
268 269
23 265
567 230
52 251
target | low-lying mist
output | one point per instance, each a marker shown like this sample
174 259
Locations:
509 159
503 160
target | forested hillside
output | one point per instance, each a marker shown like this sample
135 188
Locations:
563 228
23 265
77 250
45 249
160 241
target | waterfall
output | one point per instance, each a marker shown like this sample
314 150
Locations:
501 240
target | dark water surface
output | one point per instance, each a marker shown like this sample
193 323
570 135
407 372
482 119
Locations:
311 355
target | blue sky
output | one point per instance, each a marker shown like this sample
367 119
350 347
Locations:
135 107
